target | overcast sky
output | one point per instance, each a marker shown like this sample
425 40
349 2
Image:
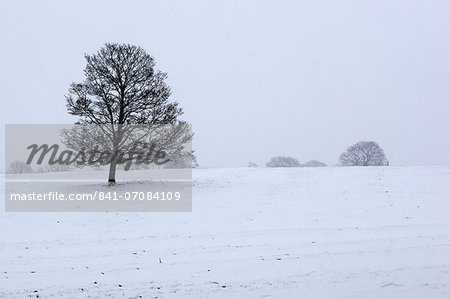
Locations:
255 78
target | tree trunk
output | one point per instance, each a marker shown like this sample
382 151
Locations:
114 159
112 172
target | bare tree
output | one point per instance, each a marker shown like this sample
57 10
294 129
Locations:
282 161
194 160
121 91
19 167
183 160
57 168
314 163
363 153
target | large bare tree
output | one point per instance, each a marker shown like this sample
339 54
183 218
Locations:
123 94
363 153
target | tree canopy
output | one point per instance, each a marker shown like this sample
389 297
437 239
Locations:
363 153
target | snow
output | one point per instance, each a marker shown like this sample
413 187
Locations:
375 232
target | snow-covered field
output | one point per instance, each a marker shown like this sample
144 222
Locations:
381 232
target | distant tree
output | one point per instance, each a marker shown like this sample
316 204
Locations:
121 90
194 160
251 164
54 168
282 161
314 163
363 153
19 167
182 160
134 166
57 168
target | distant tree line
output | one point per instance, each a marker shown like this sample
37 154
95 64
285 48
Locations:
363 153
283 161
181 160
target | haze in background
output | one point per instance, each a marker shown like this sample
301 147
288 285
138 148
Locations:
255 78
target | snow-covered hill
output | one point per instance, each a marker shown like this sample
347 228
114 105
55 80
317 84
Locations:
381 232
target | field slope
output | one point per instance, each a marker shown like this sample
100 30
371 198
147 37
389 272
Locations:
380 232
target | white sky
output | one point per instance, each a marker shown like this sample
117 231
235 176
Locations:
255 78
